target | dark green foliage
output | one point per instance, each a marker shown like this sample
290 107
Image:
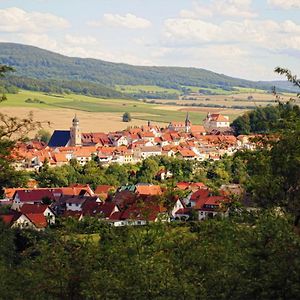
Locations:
228 259
126 117
267 119
11 84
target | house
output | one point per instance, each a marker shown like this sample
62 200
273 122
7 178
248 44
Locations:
213 206
147 151
34 196
187 154
31 209
216 121
14 219
99 209
141 214
102 191
178 205
76 203
84 154
197 199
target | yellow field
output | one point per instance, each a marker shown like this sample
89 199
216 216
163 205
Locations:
62 119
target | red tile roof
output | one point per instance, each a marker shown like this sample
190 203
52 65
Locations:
35 195
39 220
33 208
200 194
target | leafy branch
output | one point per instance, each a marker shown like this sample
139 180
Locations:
290 77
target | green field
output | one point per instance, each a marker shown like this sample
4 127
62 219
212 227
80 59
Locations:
133 89
138 109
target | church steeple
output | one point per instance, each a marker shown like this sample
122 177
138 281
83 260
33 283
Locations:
187 123
75 133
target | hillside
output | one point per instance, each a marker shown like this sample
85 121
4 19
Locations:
36 63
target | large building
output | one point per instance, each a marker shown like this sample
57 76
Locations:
64 138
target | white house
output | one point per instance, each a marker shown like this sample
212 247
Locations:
213 121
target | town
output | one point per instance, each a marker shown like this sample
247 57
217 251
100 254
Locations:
132 204
179 139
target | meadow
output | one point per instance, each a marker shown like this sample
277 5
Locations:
97 114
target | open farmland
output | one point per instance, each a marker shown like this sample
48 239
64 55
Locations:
230 101
98 114
106 114
95 114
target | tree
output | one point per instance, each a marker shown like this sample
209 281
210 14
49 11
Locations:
43 136
274 170
12 130
148 170
126 117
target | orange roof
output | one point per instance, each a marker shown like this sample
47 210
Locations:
148 190
187 153
59 157
198 128
9 192
103 189
178 124
219 118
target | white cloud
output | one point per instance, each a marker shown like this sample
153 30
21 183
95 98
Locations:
129 21
38 40
80 40
229 8
266 34
191 31
14 19
285 4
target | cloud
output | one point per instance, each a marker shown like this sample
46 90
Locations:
38 40
80 40
285 4
14 19
268 34
129 21
229 8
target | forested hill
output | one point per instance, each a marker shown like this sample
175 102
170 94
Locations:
40 64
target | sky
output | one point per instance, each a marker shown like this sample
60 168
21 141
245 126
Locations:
240 38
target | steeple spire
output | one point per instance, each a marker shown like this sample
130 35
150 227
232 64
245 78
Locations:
187 119
187 123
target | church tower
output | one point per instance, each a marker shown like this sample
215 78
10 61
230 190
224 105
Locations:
187 123
75 133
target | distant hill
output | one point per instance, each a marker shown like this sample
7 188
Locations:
45 67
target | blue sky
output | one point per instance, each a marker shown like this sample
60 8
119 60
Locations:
242 38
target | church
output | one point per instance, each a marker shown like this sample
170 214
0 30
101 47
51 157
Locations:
65 138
